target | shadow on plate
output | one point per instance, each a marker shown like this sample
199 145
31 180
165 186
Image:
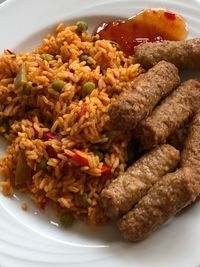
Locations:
186 74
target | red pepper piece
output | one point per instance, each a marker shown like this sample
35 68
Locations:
7 51
50 136
51 152
65 167
105 173
82 111
80 160
170 15
43 65
42 204
105 169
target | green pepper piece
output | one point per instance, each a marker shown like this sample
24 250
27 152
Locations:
23 171
21 78
43 165
26 90
84 200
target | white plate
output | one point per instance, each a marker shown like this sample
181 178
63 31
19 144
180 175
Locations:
33 238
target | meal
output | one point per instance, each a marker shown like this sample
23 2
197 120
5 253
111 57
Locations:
100 127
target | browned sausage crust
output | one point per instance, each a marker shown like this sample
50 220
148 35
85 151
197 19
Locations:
190 155
184 54
129 187
167 197
134 105
170 114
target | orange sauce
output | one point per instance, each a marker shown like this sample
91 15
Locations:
149 25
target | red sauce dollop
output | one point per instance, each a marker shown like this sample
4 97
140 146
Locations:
170 15
149 25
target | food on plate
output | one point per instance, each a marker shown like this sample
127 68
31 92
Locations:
80 117
184 54
127 189
54 112
148 25
190 156
166 198
170 114
134 105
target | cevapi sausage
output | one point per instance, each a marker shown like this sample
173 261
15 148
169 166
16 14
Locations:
190 156
183 54
135 104
166 198
129 187
172 112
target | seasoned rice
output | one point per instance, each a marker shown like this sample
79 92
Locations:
68 130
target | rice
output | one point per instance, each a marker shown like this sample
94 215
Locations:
64 137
